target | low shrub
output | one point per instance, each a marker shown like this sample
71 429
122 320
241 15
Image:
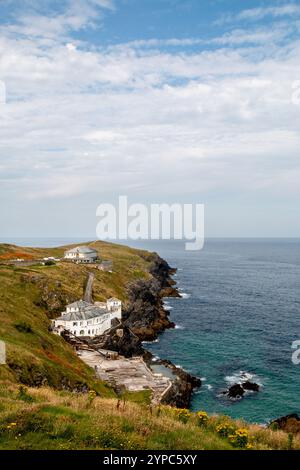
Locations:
224 429
50 263
240 438
23 327
202 418
182 414
24 395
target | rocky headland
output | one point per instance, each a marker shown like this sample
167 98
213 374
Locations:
144 318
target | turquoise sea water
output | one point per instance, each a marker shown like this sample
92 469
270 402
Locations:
239 314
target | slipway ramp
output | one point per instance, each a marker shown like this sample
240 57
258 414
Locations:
88 295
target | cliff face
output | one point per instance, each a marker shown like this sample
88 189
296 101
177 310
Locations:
144 318
144 312
31 294
182 389
120 339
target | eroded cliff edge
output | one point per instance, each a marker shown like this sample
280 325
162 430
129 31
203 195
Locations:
144 318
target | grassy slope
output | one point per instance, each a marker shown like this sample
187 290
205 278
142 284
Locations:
43 418
49 418
39 353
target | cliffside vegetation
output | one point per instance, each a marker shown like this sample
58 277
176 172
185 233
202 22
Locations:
32 294
42 418
49 399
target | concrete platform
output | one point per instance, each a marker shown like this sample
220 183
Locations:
133 373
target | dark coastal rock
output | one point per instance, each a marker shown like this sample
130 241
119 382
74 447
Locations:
146 317
183 385
120 339
161 270
235 391
289 423
238 390
252 386
144 314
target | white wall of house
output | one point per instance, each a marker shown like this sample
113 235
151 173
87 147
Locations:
114 305
84 257
93 327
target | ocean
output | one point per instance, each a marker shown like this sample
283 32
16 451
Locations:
238 316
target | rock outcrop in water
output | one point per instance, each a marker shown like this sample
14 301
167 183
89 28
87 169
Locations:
237 391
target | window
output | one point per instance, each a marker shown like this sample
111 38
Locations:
74 323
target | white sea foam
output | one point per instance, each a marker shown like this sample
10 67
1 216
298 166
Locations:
151 342
208 386
203 379
155 359
179 327
184 295
167 305
242 376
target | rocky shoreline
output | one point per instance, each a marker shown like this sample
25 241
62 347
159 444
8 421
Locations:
144 312
144 319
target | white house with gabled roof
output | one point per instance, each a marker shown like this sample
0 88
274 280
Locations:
81 254
85 319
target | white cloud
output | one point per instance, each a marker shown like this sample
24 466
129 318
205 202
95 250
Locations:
259 13
147 121
255 14
235 37
78 15
103 3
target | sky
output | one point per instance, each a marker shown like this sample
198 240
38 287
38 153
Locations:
165 101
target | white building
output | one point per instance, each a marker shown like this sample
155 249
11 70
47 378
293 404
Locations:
81 254
84 319
114 305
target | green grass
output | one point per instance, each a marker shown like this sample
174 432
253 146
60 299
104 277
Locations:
30 296
44 402
65 420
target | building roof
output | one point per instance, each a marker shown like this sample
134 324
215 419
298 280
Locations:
100 304
114 299
79 304
83 250
84 314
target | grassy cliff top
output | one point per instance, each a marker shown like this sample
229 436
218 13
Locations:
31 295
53 410
41 418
